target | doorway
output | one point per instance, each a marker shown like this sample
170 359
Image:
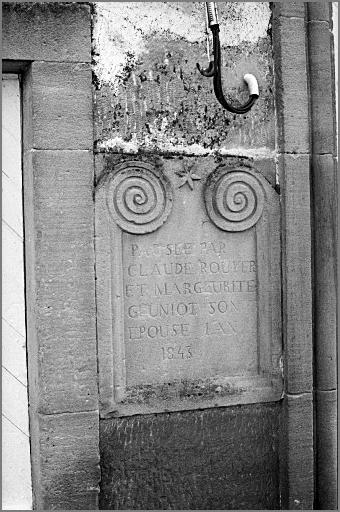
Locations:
16 465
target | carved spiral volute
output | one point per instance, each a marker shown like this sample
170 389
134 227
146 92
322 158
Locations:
234 199
139 197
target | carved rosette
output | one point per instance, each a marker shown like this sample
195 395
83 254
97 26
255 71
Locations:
139 197
234 199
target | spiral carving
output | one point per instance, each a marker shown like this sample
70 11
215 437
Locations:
139 197
234 199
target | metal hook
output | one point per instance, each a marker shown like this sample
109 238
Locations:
214 68
210 70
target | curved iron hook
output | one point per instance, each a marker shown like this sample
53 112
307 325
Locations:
218 81
214 68
209 71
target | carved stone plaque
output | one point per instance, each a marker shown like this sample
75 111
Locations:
188 274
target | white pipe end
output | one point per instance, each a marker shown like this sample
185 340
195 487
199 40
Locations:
252 83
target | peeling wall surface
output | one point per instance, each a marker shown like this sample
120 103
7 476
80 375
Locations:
151 97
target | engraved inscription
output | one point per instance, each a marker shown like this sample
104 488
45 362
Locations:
188 280
190 307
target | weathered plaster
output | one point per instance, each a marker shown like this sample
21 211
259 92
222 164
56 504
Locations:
149 94
121 27
118 144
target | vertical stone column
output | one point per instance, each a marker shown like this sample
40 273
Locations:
323 130
292 104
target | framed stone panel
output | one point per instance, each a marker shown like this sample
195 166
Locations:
188 286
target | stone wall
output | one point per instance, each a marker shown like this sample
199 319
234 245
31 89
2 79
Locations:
151 104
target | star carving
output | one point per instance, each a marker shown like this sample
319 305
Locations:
187 175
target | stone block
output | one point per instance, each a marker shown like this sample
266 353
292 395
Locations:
326 460
61 315
321 87
325 296
292 101
61 105
320 11
298 493
188 287
50 31
297 273
66 472
289 9
217 459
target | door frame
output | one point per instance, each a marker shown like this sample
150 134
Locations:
58 169
16 458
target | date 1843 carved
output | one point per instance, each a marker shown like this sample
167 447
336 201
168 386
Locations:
188 289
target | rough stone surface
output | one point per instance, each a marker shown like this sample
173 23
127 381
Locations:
67 469
215 459
52 31
335 57
62 346
319 10
323 79
325 296
326 405
149 94
321 88
298 459
289 9
61 104
297 274
292 102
